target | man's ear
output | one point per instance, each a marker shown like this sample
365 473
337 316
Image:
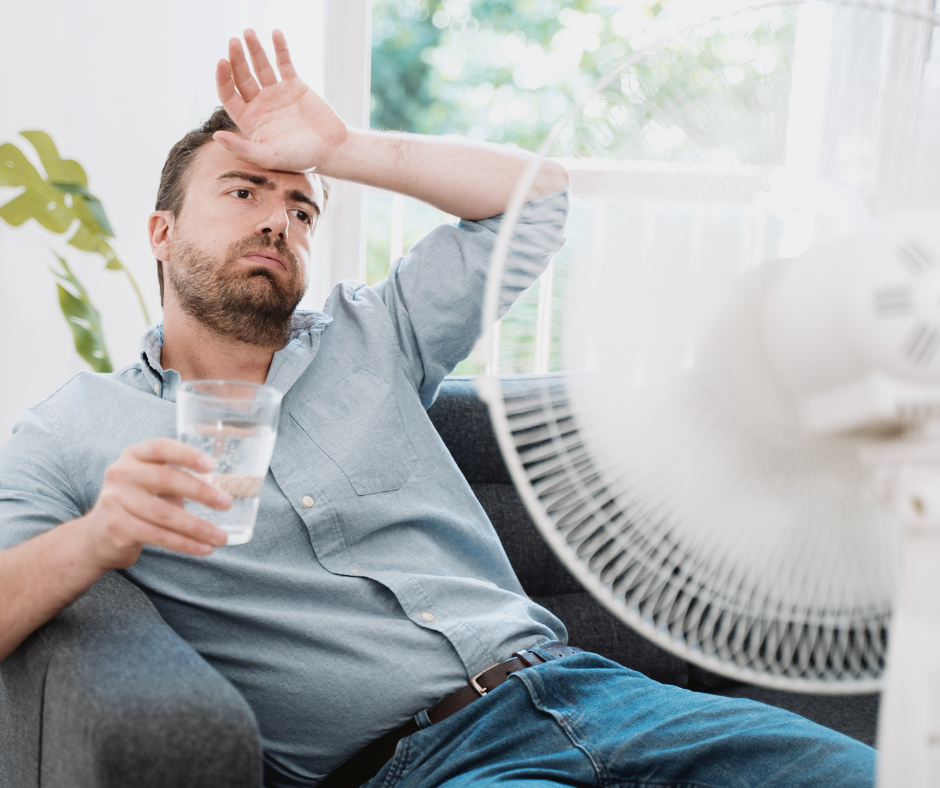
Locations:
160 228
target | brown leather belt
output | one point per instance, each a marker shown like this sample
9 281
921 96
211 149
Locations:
365 764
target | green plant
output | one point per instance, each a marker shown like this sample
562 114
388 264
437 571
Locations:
62 204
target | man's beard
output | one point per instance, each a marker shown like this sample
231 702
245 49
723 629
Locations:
231 299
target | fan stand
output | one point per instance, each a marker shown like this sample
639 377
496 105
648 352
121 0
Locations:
908 475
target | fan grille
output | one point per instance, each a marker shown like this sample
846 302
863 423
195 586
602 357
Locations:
633 563
662 460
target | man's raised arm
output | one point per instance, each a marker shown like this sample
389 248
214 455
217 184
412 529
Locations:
286 126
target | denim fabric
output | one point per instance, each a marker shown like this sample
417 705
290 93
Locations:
584 720
394 564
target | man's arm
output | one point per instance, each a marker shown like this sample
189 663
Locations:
471 180
286 126
140 503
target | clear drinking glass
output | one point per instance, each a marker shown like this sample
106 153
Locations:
235 424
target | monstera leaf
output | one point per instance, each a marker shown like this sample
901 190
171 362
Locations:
58 200
83 319
61 203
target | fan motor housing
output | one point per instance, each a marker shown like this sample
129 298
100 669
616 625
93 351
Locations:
853 327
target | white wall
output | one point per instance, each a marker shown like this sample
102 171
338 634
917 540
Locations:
116 83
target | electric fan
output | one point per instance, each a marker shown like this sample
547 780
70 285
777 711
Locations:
738 354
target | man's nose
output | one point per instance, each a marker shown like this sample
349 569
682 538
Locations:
276 222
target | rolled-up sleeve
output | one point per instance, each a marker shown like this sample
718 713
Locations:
435 293
35 488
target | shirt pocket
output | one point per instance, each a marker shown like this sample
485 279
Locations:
360 427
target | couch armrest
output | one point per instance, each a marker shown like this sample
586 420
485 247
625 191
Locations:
117 698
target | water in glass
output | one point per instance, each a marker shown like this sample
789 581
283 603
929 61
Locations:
241 452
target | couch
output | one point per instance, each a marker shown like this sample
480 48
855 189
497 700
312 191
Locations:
107 695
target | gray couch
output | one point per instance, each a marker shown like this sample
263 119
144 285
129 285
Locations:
107 694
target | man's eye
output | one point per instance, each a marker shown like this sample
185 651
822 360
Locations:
242 194
302 215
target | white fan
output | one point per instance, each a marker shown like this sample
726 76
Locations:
743 363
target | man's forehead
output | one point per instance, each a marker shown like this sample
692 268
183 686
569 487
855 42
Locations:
215 163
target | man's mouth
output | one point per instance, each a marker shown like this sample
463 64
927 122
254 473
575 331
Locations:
266 259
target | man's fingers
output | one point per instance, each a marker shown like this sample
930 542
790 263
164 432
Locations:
153 471
246 150
144 532
229 140
167 516
225 87
263 70
244 81
166 480
282 56
142 500
168 450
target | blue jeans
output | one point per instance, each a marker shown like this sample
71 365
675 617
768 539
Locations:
584 720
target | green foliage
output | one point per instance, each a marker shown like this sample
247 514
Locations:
500 70
83 319
677 102
400 78
62 204
507 70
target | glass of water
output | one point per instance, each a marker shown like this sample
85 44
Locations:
235 424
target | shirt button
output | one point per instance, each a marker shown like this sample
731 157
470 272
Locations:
427 616
307 501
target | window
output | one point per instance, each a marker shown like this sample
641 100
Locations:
506 71
489 70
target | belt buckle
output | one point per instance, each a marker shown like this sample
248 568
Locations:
476 685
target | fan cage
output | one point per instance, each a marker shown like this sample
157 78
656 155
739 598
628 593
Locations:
625 555
639 575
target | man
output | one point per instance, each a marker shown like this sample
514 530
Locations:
374 590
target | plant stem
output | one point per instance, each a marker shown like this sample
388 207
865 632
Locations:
140 298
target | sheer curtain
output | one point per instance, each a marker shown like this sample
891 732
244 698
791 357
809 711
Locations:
116 84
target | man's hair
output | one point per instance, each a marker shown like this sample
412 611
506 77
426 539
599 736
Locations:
175 177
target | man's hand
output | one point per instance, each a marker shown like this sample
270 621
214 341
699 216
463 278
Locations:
141 503
286 125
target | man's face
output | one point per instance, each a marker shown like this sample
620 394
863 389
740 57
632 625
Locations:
240 247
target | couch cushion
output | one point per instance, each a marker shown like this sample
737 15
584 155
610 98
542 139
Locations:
537 568
463 422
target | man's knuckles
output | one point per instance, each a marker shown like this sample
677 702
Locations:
116 473
110 500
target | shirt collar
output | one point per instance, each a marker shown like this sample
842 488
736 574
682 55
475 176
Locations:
151 344
302 345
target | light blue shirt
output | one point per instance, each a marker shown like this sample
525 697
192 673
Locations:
339 620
